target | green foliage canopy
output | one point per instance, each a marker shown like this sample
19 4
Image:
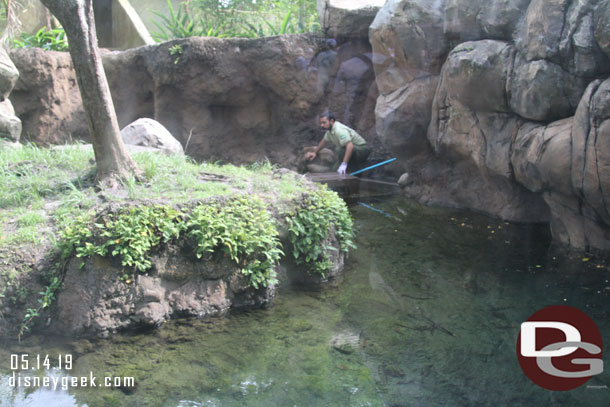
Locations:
236 18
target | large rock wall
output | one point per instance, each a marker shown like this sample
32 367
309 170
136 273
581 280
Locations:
518 117
235 100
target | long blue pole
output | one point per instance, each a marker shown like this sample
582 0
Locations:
373 166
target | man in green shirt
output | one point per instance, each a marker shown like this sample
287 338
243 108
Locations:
351 148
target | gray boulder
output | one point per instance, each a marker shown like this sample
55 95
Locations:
8 74
471 131
591 149
150 133
475 75
540 33
541 157
541 161
499 18
543 91
470 20
564 32
579 51
10 125
482 138
470 116
602 27
408 42
567 162
461 19
491 148
403 117
347 18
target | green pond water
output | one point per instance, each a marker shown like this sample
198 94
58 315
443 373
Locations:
427 314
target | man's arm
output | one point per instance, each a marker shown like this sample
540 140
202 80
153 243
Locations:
348 151
312 154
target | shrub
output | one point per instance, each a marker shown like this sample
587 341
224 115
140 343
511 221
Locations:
310 225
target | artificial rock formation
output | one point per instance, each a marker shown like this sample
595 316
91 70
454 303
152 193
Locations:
519 116
95 302
236 100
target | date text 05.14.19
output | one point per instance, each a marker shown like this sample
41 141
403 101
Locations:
26 361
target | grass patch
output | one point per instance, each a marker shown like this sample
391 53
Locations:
48 202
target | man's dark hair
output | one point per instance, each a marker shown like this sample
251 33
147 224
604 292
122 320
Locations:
330 116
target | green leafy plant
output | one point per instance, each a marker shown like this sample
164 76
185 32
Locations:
267 28
176 50
238 18
310 225
50 40
180 24
135 231
129 234
47 296
244 231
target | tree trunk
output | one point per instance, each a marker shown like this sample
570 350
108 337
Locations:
112 158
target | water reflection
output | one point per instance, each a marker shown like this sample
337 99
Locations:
427 315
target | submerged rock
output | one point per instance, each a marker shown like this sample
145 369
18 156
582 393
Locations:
346 341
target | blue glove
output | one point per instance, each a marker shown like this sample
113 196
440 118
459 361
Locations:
342 168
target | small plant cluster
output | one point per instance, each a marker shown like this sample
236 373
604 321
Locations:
130 234
12 289
310 225
241 228
49 40
47 296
